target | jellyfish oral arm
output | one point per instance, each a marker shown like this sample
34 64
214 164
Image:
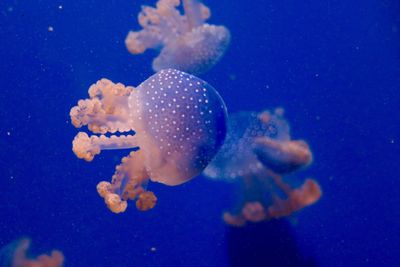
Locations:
159 25
282 156
164 24
114 142
107 110
128 182
296 199
20 256
86 147
196 13
138 42
307 194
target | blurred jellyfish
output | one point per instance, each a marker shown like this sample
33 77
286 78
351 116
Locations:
16 253
179 123
186 42
258 150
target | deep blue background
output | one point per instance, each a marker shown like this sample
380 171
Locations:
333 65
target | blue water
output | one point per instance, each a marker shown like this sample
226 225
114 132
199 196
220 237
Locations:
333 65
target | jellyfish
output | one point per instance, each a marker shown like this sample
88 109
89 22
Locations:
185 41
15 254
173 122
258 154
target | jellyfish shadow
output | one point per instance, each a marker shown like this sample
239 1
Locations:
271 243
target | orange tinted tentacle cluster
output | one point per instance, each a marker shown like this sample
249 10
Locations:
128 183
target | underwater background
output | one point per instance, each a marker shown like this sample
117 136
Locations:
334 66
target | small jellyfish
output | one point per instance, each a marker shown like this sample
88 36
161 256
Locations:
16 253
258 150
174 123
187 43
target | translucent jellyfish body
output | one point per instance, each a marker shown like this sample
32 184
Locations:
16 254
185 41
258 150
174 122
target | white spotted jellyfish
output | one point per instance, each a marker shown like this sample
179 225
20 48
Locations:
174 123
257 152
185 41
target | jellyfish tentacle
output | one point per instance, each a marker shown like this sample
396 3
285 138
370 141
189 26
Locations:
107 109
87 147
128 183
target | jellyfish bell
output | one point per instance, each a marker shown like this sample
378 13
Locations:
179 124
183 124
236 158
185 41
